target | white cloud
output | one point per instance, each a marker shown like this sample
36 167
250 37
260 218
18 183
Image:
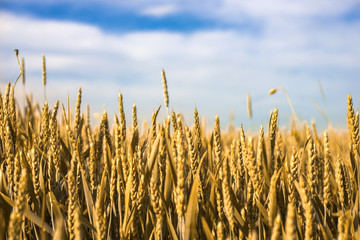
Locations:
263 8
214 69
160 10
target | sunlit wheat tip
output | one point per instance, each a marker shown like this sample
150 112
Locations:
272 91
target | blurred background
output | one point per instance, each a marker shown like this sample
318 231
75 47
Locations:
214 54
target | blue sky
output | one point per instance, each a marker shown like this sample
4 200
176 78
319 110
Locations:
214 54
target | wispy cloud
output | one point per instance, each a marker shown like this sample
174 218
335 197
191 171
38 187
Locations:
160 10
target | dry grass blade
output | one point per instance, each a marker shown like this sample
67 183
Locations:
31 216
206 228
88 198
152 160
169 224
192 208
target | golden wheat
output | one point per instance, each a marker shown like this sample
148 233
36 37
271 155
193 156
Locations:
64 178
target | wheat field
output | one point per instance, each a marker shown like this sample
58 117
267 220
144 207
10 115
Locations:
62 178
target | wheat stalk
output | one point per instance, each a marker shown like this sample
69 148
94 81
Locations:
165 90
16 217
